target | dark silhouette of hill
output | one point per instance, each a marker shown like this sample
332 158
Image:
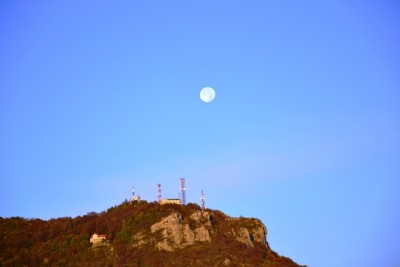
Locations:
139 234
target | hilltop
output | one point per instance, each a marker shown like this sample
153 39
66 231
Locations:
139 234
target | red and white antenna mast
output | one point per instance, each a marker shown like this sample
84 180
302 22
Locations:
203 201
159 193
133 193
134 197
183 191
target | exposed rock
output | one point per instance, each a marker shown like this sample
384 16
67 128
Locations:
254 232
177 233
197 216
259 233
201 216
243 236
172 232
139 240
202 234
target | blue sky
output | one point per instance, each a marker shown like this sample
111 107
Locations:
99 96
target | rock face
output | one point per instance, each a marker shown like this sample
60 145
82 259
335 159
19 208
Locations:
175 232
256 233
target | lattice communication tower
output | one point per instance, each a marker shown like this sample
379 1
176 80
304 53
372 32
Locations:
203 200
183 191
159 193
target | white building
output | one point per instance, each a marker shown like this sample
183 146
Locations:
98 239
170 201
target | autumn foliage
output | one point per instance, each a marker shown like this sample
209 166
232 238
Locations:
65 241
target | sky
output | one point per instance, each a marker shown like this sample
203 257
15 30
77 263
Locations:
304 132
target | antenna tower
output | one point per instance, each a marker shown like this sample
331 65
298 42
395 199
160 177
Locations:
203 202
159 193
183 191
134 197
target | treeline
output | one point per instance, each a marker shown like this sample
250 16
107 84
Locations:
65 241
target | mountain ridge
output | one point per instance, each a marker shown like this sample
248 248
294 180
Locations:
139 233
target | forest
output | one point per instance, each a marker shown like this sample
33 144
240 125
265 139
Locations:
65 241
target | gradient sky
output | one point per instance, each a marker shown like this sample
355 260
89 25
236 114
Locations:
100 96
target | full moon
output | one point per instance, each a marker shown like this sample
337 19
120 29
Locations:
207 94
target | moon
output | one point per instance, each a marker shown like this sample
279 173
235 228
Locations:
207 94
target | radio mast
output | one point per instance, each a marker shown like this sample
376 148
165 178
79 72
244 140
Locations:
159 193
183 191
203 202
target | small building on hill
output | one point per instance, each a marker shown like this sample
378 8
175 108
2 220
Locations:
98 239
170 201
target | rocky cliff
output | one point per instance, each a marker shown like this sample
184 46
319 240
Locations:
176 232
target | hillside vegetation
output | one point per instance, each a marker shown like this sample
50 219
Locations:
139 234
